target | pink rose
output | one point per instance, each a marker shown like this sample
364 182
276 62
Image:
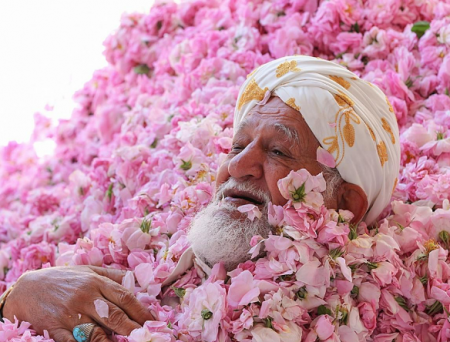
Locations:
368 315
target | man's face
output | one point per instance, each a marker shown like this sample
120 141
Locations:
272 140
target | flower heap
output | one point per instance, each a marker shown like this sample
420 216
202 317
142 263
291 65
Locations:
139 156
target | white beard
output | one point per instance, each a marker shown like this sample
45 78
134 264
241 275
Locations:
221 233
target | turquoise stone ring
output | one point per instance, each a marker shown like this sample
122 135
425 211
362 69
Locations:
82 332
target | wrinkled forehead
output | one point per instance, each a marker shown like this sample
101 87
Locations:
277 116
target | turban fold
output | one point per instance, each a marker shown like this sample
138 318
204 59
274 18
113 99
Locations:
351 118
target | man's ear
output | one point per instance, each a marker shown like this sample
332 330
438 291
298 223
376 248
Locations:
352 197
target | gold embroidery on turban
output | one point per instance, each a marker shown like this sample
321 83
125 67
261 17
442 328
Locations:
343 100
388 129
285 67
332 141
395 185
391 109
382 153
371 133
345 133
252 92
291 103
340 81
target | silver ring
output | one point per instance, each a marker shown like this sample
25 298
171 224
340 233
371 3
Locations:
83 332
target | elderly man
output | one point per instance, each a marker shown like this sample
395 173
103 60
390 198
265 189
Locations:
286 110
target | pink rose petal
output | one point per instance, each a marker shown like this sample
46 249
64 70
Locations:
102 308
326 158
251 210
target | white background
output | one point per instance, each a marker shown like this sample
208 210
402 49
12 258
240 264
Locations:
48 50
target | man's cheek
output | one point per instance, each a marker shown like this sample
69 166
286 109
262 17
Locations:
275 193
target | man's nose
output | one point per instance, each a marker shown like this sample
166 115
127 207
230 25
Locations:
248 163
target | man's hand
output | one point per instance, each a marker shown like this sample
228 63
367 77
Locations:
59 298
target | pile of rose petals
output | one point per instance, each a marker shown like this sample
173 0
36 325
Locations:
139 156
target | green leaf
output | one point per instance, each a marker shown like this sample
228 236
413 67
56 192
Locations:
435 308
146 225
179 291
342 314
141 69
323 310
352 234
154 143
444 236
372 265
402 302
355 28
109 191
186 165
409 82
299 194
420 27
301 293
355 291
268 322
206 314
336 253
424 279
422 257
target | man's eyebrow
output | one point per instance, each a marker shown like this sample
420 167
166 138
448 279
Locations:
290 133
243 124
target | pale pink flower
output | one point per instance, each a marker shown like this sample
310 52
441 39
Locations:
275 215
370 293
314 274
368 315
263 334
205 310
302 187
384 273
153 332
243 290
323 327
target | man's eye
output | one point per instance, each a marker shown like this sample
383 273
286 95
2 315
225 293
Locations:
236 148
277 152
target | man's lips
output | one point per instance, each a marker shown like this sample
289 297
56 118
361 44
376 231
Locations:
241 198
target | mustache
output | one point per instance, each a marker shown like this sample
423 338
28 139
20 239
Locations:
232 184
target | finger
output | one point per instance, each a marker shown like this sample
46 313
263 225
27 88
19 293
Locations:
126 300
116 321
62 335
99 335
111 273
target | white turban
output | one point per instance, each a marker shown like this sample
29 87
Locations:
351 118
